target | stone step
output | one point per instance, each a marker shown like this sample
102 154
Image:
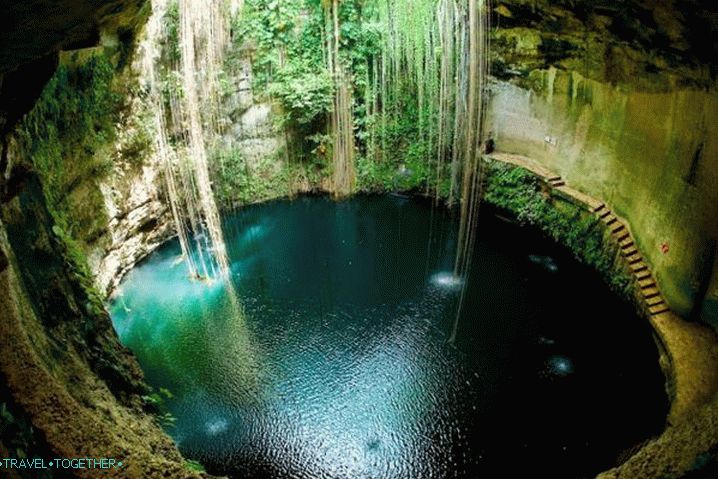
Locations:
600 207
643 275
638 266
553 178
604 213
611 220
628 252
556 184
646 283
658 309
626 245
636 258
624 236
649 293
655 301
617 227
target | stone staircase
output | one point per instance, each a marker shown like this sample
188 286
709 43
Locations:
555 181
649 292
692 352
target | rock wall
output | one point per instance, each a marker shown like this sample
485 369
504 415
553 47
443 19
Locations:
640 44
137 212
139 222
652 156
710 305
252 130
68 387
620 98
112 200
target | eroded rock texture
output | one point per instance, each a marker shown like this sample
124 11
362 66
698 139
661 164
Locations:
620 99
617 96
68 388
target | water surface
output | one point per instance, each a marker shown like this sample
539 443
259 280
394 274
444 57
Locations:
334 363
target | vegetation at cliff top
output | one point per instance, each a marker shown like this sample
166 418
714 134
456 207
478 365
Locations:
77 114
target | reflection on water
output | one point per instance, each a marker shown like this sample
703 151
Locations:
446 280
560 366
336 365
544 261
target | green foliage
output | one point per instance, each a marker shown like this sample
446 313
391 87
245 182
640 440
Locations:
157 403
518 191
284 42
373 176
305 94
281 35
287 41
407 173
171 86
76 263
238 182
360 38
194 466
172 49
69 131
135 140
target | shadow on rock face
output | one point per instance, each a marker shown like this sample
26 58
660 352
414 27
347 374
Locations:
3 261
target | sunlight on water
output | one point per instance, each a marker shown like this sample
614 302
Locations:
546 262
447 281
337 364
216 426
560 366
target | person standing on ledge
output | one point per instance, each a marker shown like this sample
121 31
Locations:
489 145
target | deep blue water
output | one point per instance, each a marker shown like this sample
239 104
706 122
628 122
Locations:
334 361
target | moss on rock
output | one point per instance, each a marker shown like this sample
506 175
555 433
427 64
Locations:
521 193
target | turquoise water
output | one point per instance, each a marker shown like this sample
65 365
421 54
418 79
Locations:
334 361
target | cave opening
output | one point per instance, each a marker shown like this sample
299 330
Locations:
359 238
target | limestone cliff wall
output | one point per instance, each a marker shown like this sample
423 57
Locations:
109 191
620 98
652 156
136 209
252 131
139 221
67 386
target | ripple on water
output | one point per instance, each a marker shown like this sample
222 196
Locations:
340 367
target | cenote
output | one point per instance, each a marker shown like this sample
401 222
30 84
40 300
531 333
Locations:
334 359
